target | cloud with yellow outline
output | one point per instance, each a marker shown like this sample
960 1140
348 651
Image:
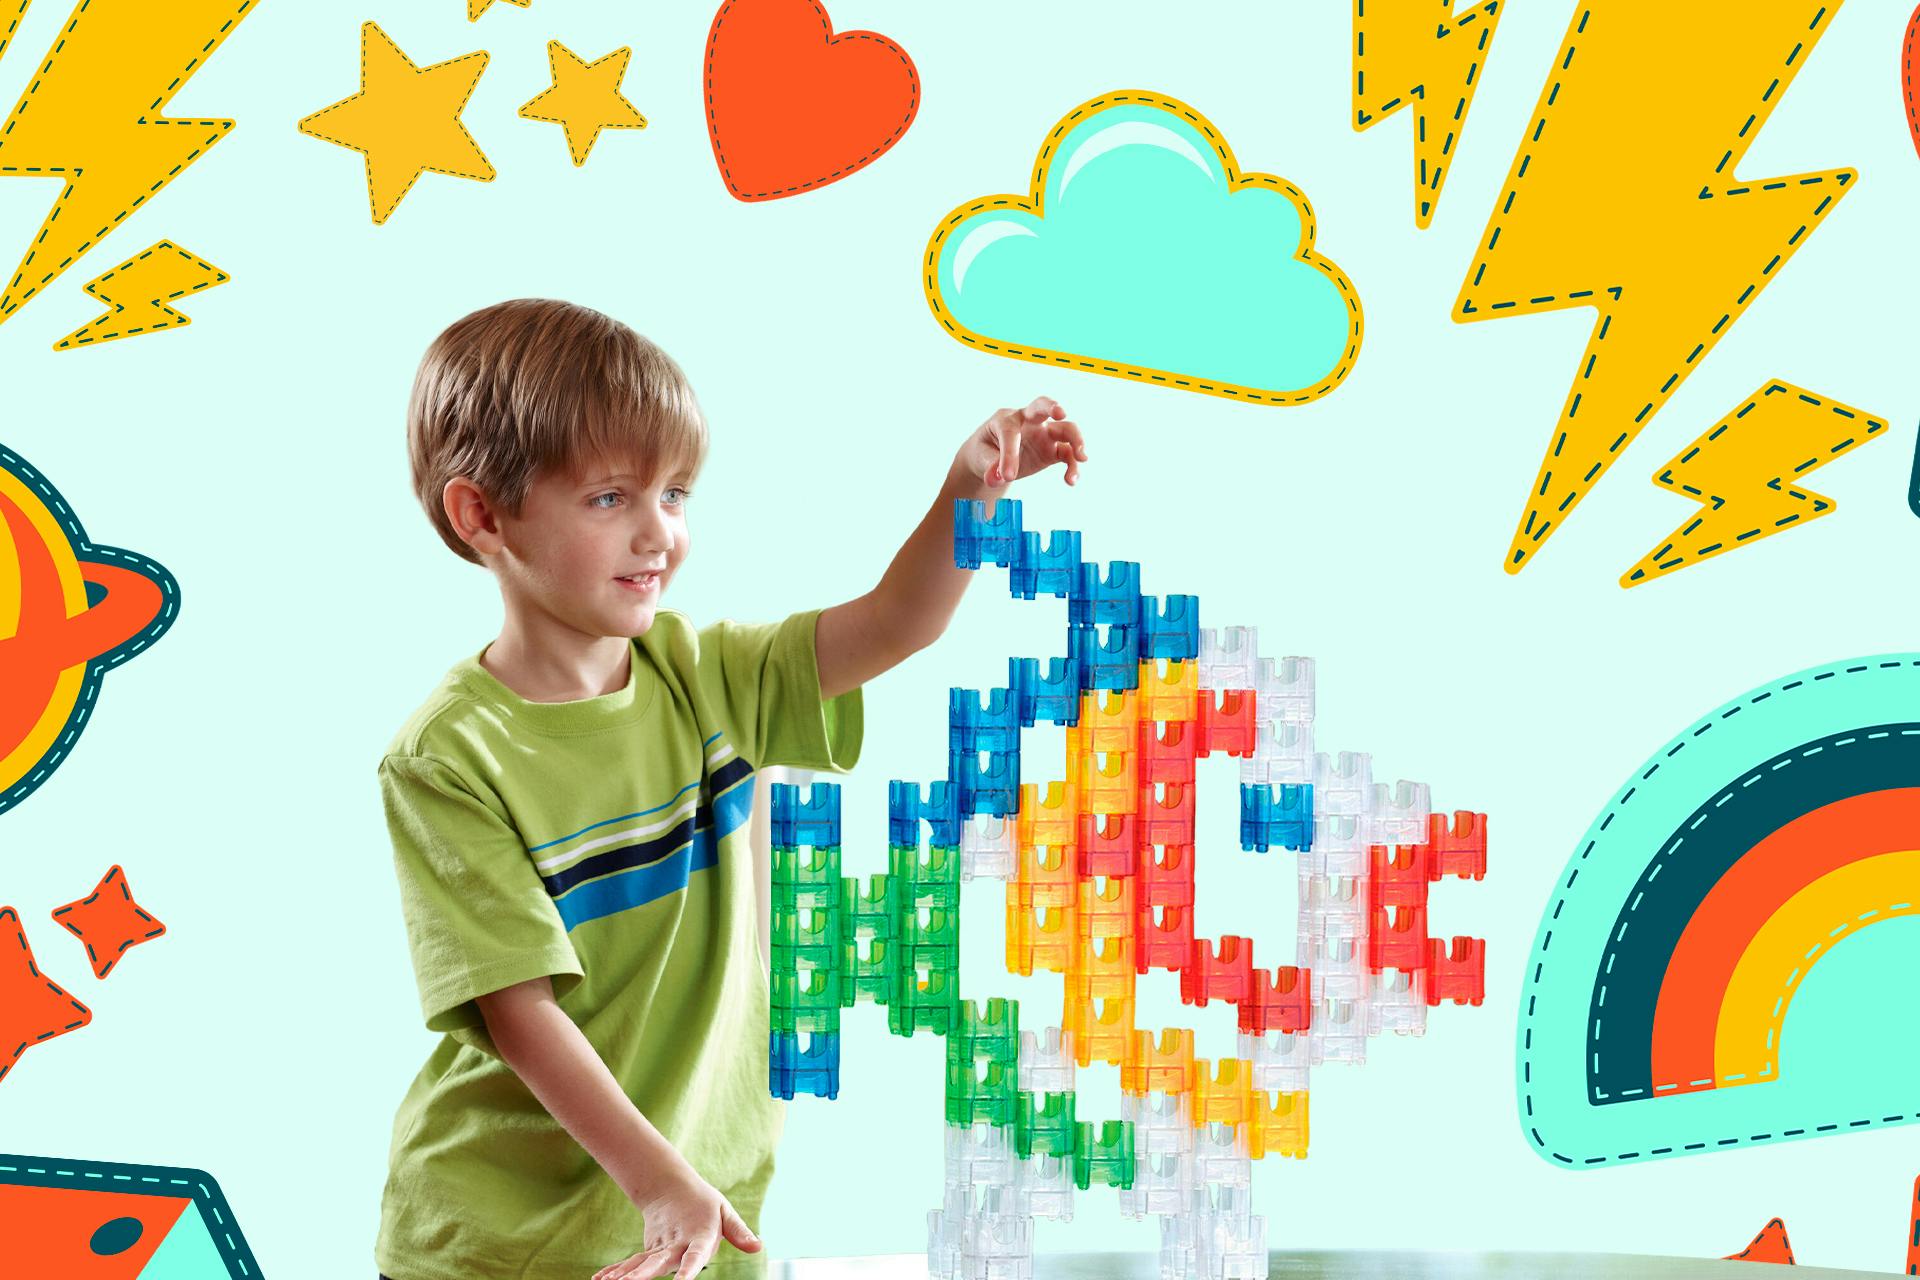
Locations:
1144 252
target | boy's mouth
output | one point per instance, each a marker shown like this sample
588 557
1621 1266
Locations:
648 581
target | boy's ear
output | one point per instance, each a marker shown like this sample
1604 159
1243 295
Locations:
471 515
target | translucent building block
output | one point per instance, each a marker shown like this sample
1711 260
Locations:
1170 628
1339 1031
1165 1066
1400 814
1218 1157
1398 1002
1049 569
988 847
1342 843
1162 1123
1043 1187
1342 783
1228 657
979 1155
1338 967
1169 691
1282 752
1046 1061
1281 1060
1162 1183
979 539
1284 690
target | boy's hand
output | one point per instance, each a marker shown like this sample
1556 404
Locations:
686 1220
1018 442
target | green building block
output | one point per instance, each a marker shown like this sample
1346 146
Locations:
1107 1158
813 875
974 1096
1043 1124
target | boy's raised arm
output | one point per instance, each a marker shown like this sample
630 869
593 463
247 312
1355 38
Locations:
917 596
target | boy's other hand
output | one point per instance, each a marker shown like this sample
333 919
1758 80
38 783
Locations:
686 1220
1019 442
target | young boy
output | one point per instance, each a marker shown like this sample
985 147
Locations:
569 812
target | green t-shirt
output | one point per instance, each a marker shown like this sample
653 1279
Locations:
602 842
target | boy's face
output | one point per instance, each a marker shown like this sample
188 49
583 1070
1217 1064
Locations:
596 548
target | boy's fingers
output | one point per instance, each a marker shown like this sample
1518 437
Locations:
1044 407
1069 431
641 1266
697 1256
736 1232
1010 456
1064 452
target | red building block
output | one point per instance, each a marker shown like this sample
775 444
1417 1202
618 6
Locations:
1166 876
1108 845
1163 938
1167 750
1281 1000
1459 850
1459 975
1166 818
1227 726
1226 975
1397 939
1401 874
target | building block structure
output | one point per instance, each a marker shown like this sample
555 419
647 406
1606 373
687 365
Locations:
1099 865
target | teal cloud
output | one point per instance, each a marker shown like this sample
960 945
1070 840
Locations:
1153 257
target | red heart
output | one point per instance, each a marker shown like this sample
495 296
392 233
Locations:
791 106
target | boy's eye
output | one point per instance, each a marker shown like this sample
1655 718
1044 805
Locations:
675 496
595 500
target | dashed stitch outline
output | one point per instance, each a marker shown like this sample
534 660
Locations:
8 304
1490 10
625 52
1820 504
306 124
930 275
147 1179
83 1014
809 184
1808 680
1533 528
212 277
115 878
84 550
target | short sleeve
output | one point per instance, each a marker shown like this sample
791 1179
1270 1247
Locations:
772 684
478 918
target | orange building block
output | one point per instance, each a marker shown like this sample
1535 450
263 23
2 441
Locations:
1224 1096
1166 1067
1279 1125
1169 696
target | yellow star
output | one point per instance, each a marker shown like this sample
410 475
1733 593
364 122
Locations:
477 7
406 119
585 98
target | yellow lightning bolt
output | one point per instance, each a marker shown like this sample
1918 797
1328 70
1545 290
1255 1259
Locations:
137 292
94 115
1741 470
1623 197
1418 53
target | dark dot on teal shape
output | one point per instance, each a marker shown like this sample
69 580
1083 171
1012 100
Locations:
116 1236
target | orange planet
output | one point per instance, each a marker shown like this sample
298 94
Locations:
69 610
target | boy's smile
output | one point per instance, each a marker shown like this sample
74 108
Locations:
593 551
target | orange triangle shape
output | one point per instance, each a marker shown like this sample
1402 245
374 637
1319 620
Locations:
1771 1245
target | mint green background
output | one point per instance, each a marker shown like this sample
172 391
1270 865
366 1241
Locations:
258 455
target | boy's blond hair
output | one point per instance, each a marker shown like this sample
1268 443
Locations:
535 384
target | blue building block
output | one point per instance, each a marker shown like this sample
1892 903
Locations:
1172 631
814 1070
1276 816
939 809
1113 665
978 540
814 822
992 788
972 726
1053 570
1113 599
1053 697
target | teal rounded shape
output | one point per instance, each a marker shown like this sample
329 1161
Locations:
1849 1042
1151 256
